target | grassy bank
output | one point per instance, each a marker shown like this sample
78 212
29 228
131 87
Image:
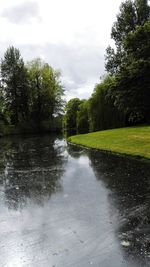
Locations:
134 141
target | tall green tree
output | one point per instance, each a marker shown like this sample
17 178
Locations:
70 117
103 114
14 82
129 62
46 90
82 119
132 90
131 15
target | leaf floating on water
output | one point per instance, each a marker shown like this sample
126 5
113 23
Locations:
125 243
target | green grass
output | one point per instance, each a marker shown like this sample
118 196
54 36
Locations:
134 141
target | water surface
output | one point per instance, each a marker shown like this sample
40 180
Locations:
63 206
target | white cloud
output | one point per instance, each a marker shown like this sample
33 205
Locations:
23 13
70 35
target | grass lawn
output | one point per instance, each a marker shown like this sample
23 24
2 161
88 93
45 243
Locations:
133 141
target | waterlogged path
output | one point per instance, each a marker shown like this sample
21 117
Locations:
62 206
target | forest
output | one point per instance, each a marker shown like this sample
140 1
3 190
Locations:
32 96
122 98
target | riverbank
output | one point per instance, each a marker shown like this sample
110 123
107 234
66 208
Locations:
133 141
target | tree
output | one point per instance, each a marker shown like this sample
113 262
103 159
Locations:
15 84
46 90
102 112
131 15
83 117
132 91
70 118
130 61
126 22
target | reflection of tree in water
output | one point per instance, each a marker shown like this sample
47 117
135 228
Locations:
33 167
129 183
75 151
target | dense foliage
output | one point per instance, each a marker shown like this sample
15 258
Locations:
129 63
29 93
103 112
70 118
82 118
132 90
14 85
45 90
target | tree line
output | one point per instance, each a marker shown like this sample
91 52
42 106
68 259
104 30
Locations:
29 93
123 96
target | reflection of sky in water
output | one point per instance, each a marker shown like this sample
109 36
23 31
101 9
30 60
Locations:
64 206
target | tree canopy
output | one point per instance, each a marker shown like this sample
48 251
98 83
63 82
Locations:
130 62
46 90
70 118
131 15
15 84
29 92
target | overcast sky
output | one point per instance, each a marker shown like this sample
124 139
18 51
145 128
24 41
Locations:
71 35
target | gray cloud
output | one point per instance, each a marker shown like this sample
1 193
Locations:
78 64
22 13
81 66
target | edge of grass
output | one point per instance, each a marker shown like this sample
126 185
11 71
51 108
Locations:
119 150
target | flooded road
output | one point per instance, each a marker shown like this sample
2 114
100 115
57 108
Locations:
63 206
